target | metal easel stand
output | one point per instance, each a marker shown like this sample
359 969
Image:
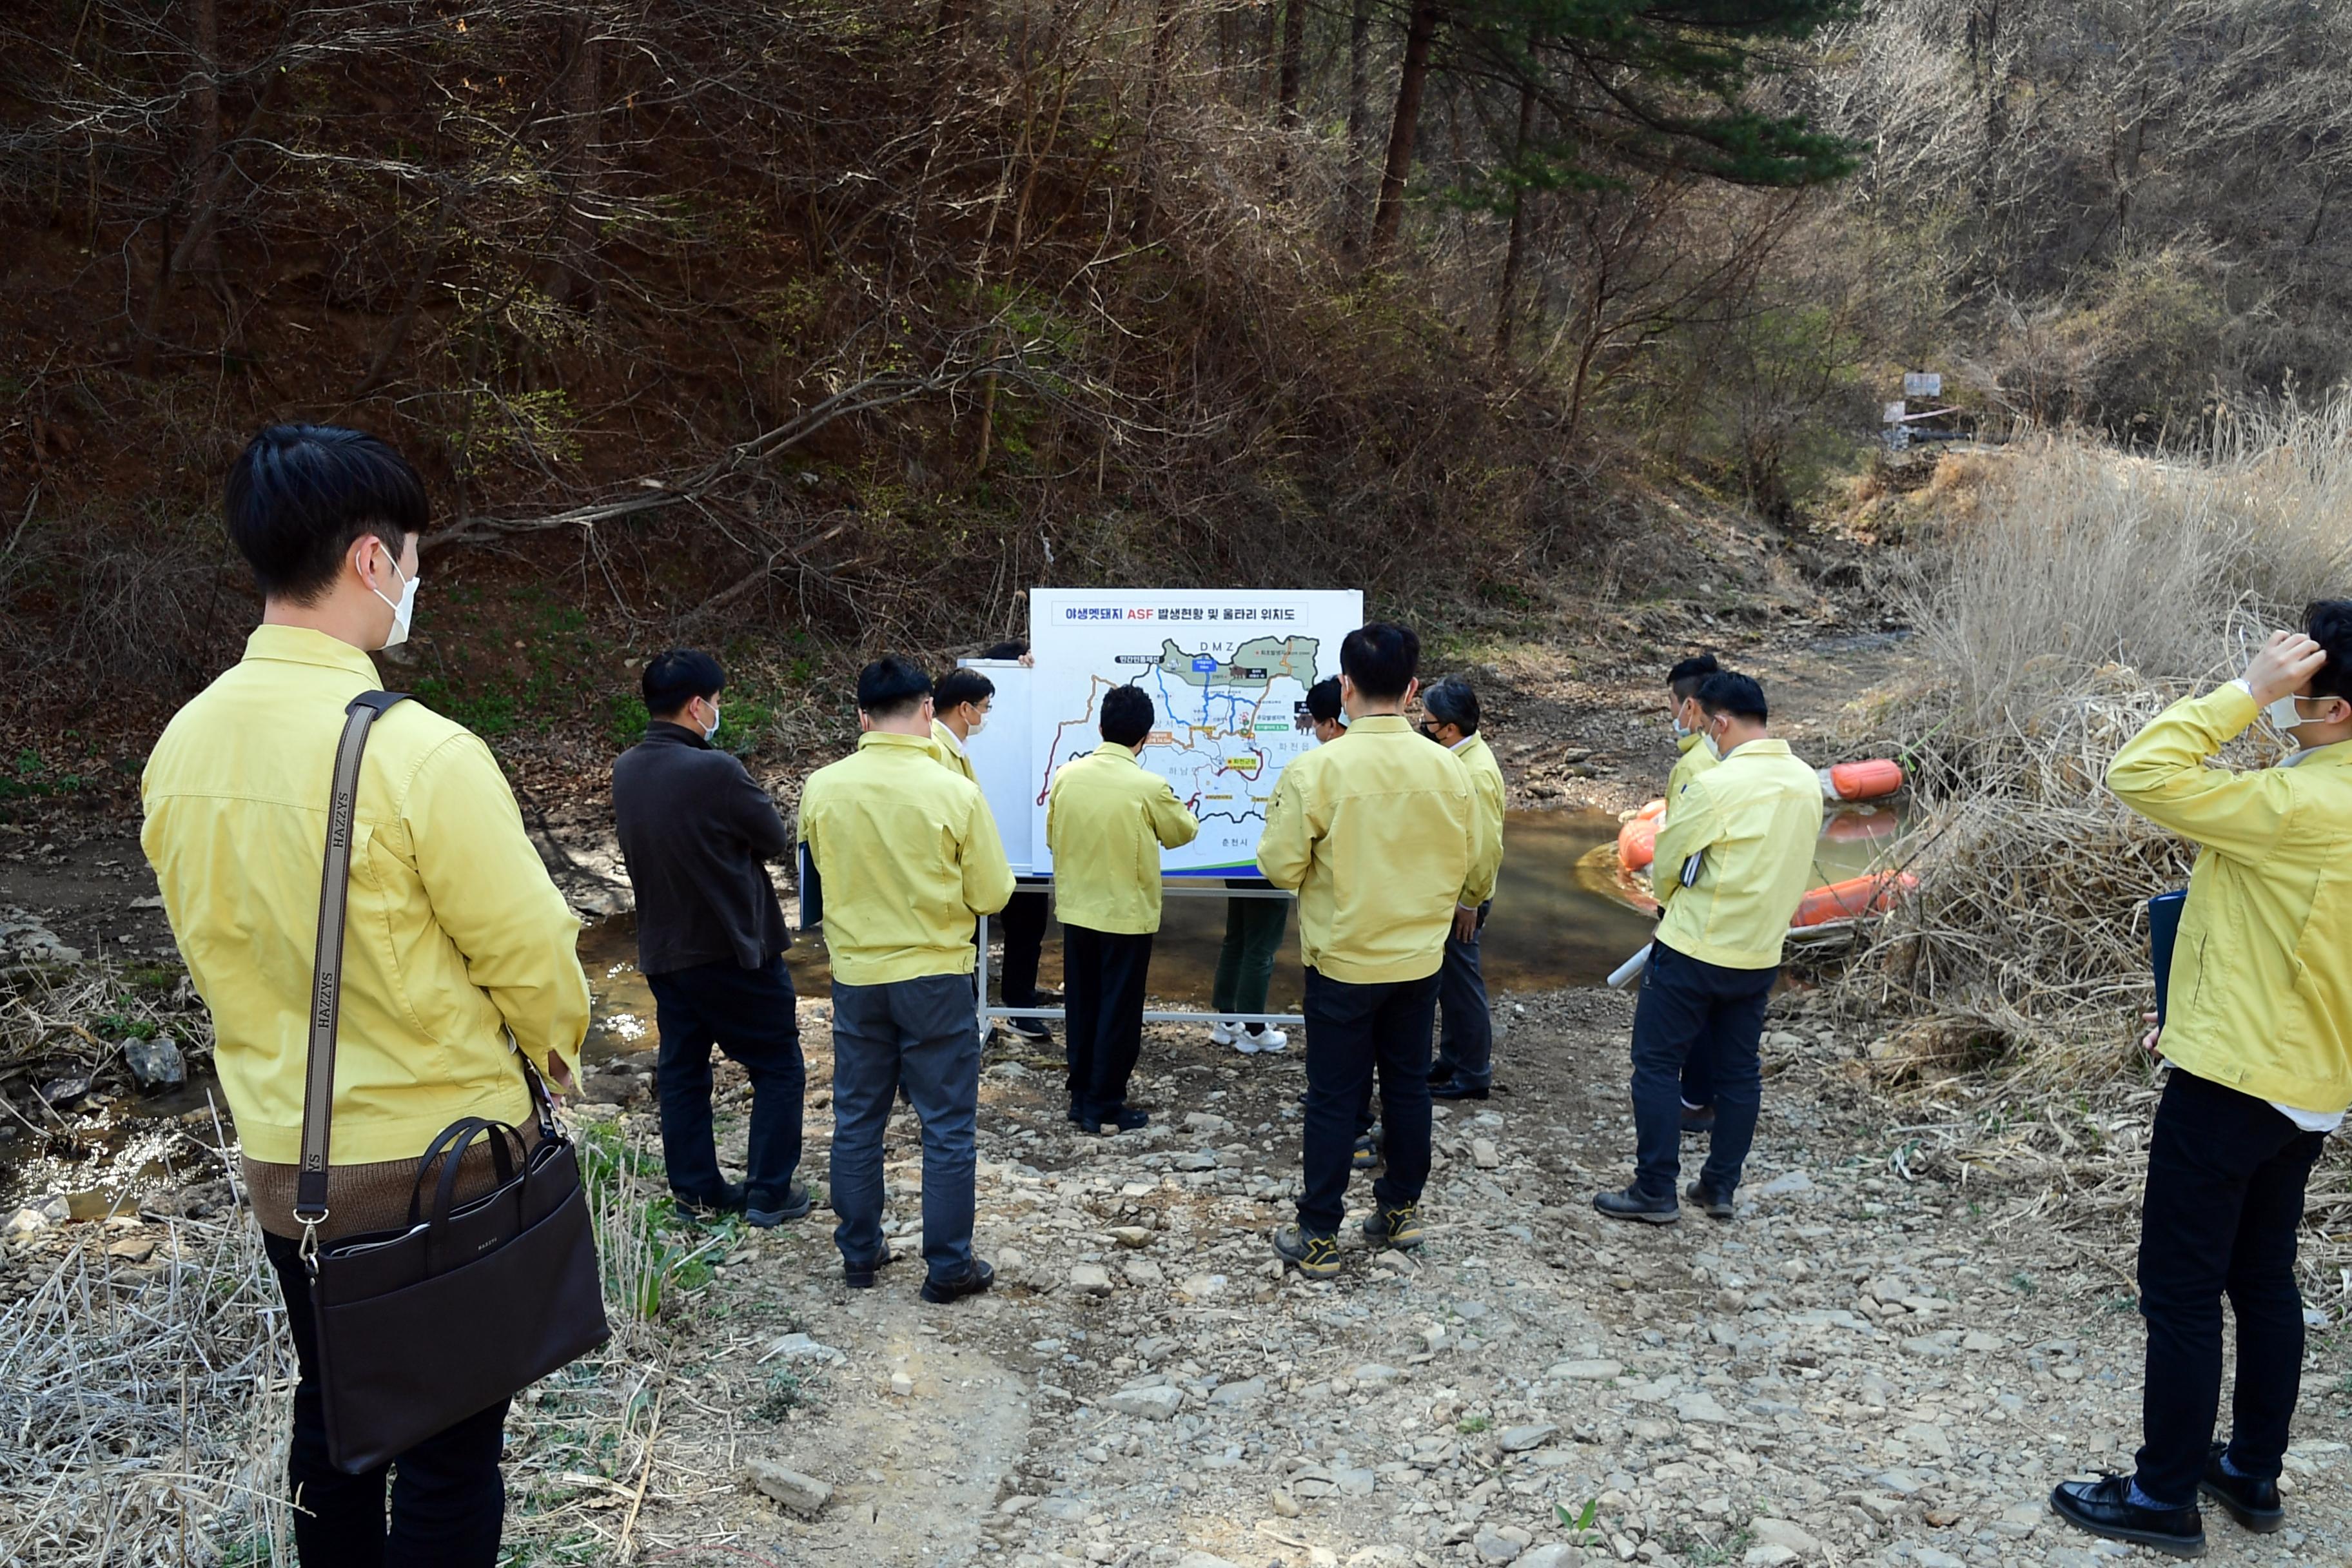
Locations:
1173 887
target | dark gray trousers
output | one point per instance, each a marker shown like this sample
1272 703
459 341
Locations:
1466 1028
920 1033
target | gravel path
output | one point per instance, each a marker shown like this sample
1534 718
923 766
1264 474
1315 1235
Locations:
1861 1369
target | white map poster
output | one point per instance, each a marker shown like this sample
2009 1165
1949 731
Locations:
1228 671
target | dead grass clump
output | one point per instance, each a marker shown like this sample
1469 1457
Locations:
2076 594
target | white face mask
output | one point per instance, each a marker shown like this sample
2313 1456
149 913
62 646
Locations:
1714 747
712 733
976 726
2284 716
405 610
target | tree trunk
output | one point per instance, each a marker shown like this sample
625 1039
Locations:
1515 253
1420 33
1359 121
204 111
1294 60
1163 48
580 96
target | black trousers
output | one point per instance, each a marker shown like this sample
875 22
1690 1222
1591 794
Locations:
1689 1007
2225 1180
1102 984
1023 923
1356 1034
749 1013
449 1500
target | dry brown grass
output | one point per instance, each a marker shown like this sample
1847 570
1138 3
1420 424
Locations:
2065 595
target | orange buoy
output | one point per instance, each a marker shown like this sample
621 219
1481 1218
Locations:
1651 810
1637 843
1856 896
1861 826
1861 781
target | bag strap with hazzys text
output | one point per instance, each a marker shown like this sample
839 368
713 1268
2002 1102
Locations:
327 964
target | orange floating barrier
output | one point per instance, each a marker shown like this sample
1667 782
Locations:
1637 842
1651 811
1862 827
1861 781
1856 896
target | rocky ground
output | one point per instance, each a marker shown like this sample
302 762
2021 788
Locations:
1866 1367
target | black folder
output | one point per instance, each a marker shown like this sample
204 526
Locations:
812 890
2163 925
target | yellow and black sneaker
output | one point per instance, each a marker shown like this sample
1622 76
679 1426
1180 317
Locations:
1367 1153
1399 1227
1318 1257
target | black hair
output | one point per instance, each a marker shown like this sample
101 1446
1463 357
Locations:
1380 660
1126 715
1738 695
1453 702
298 495
676 677
960 685
1685 678
1012 650
891 687
1323 699
2328 622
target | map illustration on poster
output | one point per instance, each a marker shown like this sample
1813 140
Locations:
1227 672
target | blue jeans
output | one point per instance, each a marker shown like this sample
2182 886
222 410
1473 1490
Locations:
1466 1028
920 1033
751 1015
1355 1033
1688 1007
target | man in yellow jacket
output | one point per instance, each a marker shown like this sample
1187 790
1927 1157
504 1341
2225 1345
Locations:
1383 841
1733 862
1466 1028
1107 820
458 950
2258 1029
908 859
1682 700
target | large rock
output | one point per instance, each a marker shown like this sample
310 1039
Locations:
1248 1391
1154 1403
1782 1532
1596 1371
1495 1547
156 1063
1553 1556
800 1493
1092 1278
1700 1405
1520 1439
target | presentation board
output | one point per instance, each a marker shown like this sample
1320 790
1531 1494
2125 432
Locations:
1227 672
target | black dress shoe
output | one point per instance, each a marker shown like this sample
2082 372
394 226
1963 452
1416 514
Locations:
971 1282
2252 1503
1712 1203
860 1276
1631 1203
1124 1118
765 1212
729 1200
1454 1089
1699 1120
2105 1508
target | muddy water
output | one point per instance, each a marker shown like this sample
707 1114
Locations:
1561 917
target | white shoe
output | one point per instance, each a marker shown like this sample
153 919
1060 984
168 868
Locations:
1267 1039
1220 1033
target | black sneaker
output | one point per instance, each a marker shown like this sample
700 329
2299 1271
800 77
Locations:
730 1200
2252 1503
1399 1227
1711 1203
1456 1089
1631 1203
2105 1508
1699 1120
971 1282
767 1212
860 1276
1036 1031
1316 1257
1123 1120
